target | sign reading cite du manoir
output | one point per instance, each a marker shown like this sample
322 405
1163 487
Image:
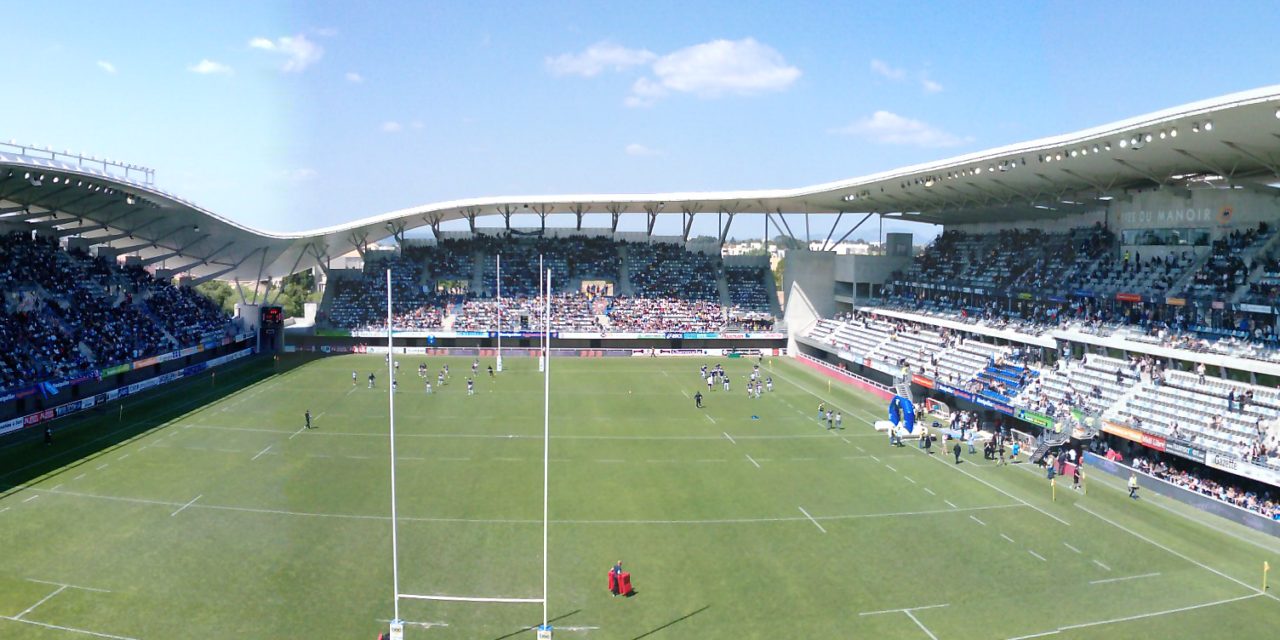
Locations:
1170 216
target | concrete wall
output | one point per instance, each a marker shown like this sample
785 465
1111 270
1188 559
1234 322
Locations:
815 273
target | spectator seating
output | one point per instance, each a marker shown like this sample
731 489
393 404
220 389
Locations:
66 313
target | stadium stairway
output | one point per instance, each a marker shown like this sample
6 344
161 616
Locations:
477 271
1259 268
1041 450
624 273
722 286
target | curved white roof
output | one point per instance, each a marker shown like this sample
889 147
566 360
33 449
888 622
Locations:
1236 136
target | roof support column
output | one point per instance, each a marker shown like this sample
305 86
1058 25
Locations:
850 231
470 214
506 210
358 239
615 210
578 210
724 232
653 210
688 213
543 210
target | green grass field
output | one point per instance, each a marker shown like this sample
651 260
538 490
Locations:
206 512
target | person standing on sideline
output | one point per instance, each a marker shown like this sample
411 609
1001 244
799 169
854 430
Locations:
307 417
1133 485
615 579
697 399
839 421
973 439
1075 478
371 379
956 450
353 378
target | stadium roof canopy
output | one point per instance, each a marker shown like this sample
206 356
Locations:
1232 140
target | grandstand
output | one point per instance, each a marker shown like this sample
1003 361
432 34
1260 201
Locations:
1107 294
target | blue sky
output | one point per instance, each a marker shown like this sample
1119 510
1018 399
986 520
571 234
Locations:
291 116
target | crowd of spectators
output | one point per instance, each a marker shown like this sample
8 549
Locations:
665 314
746 288
66 313
662 270
1264 503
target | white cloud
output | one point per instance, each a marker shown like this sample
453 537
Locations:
708 70
930 86
209 67
107 66
636 149
354 77
890 128
299 52
391 126
719 67
416 125
644 93
596 58
883 68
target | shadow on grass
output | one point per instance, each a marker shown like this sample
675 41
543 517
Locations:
523 630
672 623
83 438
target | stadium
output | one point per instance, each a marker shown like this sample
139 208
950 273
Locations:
1100 308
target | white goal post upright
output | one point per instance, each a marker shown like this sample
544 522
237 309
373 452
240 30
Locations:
391 415
544 290
546 444
499 312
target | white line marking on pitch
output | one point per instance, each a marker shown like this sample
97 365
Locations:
726 434
920 624
753 461
300 430
876 613
31 498
79 476
815 522
929 491
4 509
101 467
713 420
184 507
846 440
860 449
1038 556
684 393
70 586
909 613
1139 616
875 458
71 629
1006 493
42 601
1145 575
1101 565
978 521
949 504
122 457
1071 548
260 453
1006 537
890 467
1180 555
56 487
908 478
